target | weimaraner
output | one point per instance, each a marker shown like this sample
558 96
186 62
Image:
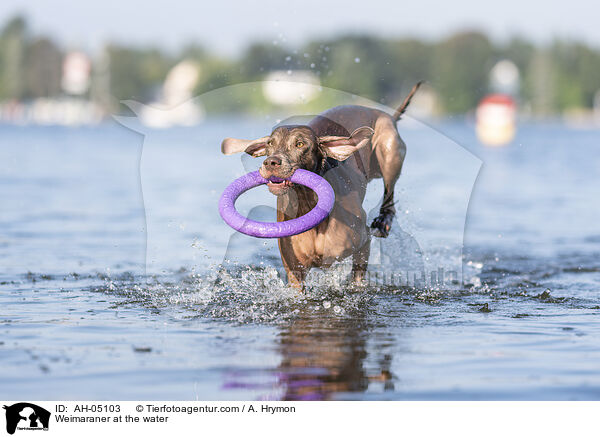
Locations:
323 146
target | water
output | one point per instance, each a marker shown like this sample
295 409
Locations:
119 280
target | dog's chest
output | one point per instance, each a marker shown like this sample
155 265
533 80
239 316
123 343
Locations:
329 242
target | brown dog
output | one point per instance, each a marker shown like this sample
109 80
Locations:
323 146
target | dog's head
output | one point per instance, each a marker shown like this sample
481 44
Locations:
289 148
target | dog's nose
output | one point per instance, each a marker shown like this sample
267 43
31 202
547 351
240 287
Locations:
272 162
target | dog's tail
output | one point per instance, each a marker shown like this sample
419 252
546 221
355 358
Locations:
402 108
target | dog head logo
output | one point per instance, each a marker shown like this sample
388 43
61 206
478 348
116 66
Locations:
26 416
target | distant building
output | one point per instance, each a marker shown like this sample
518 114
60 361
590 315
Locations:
505 78
175 106
76 73
291 87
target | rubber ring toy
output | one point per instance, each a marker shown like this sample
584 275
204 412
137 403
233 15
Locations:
326 198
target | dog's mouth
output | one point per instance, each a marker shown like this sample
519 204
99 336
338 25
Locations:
279 186
280 183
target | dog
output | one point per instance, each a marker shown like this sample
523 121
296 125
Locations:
349 146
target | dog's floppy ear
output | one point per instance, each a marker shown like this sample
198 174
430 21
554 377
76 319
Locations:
256 148
341 148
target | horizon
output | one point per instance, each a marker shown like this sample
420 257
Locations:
94 25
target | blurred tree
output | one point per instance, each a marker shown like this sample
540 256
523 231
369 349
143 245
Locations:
460 69
560 76
521 52
577 74
215 72
136 73
259 59
12 47
540 78
349 63
42 68
411 61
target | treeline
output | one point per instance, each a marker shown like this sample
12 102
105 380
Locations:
554 78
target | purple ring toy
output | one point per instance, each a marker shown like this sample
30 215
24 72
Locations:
326 198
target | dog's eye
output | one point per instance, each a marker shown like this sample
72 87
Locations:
300 144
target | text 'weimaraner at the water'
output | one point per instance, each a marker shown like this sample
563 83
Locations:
370 138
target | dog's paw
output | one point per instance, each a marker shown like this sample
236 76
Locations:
381 225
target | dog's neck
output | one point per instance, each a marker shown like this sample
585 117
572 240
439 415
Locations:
296 202
300 200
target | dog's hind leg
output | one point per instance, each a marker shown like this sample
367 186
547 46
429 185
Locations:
390 151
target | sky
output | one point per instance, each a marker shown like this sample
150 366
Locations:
227 27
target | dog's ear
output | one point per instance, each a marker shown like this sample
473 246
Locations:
256 148
341 148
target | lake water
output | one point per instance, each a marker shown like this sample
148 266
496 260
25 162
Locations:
119 280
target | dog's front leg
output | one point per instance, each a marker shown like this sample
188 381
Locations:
360 261
296 278
296 271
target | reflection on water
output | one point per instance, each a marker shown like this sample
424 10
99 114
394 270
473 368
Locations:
322 356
